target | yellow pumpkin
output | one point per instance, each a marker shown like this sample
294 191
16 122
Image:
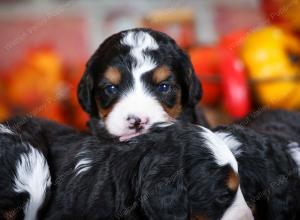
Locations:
267 55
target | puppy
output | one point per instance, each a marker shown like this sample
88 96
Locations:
25 176
26 166
177 171
136 78
268 154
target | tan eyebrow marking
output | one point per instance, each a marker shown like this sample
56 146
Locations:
161 74
113 75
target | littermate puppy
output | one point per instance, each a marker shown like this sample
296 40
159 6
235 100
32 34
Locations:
25 176
24 166
268 155
136 78
176 171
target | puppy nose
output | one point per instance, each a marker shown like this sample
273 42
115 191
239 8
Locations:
137 122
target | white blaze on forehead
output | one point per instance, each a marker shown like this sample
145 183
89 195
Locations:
220 150
239 209
33 177
139 42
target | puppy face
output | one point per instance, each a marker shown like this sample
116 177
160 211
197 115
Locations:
137 78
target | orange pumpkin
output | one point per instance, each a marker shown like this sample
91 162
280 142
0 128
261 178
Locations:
34 84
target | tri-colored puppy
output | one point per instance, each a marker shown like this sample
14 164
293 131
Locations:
136 78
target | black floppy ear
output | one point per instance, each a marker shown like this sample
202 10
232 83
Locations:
192 83
85 93
195 88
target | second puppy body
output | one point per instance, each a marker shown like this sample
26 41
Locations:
176 171
268 164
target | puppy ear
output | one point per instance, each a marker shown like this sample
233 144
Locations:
192 83
85 93
195 88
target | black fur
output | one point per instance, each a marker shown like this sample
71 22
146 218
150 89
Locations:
27 132
270 177
166 174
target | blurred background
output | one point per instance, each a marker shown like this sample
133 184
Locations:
245 52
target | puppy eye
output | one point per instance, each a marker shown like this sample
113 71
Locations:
111 89
164 87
